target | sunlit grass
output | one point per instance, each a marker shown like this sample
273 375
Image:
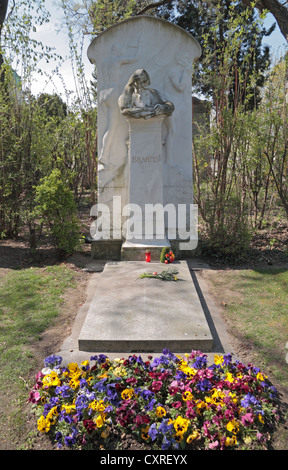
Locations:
29 301
257 305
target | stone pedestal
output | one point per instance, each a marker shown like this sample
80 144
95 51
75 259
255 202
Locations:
144 228
166 52
106 249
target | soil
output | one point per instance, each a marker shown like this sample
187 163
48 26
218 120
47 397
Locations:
268 248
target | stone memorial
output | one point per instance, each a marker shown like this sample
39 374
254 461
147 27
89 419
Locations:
144 68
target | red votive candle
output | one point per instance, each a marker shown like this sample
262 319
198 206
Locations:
148 256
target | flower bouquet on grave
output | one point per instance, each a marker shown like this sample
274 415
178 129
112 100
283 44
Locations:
169 275
167 256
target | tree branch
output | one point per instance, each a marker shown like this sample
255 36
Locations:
152 5
3 11
277 9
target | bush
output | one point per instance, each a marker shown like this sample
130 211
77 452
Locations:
227 237
230 243
56 207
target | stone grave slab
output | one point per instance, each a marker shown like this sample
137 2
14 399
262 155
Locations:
132 314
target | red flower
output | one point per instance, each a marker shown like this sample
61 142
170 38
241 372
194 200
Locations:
141 419
119 387
177 404
89 425
156 385
131 380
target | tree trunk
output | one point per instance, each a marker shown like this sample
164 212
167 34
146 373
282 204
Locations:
3 11
279 11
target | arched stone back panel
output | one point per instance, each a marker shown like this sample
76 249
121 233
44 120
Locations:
167 53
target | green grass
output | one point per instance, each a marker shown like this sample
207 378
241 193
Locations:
257 306
30 300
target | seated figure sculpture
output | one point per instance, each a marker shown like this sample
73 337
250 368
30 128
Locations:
140 101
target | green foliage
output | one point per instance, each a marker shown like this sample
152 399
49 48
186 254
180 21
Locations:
227 241
93 17
52 105
19 41
164 251
104 13
231 37
36 137
56 207
232 178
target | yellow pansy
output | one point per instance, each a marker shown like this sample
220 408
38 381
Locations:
68 408
99 421
144 433
51 380
209 400
260 417
43 424
230 441
261 377
100 406
52 415
229 377
234 398
189 371
218 359
181 425
73 368
187 395
118 360
85 364
75 380
233 426
200 405
127 393
192 437
93 405
120 371
216 397
160 411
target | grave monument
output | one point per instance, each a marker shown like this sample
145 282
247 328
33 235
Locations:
144 68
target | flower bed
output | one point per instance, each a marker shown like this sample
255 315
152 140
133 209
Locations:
168 402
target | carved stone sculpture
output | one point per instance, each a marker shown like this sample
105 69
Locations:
138 100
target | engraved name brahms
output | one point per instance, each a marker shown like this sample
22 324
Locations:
146 159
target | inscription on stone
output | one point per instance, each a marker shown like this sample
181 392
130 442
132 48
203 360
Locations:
146 159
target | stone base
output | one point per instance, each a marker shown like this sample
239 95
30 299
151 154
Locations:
137 251
106 249
116 250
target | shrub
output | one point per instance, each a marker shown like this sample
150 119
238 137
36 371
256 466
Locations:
56 207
